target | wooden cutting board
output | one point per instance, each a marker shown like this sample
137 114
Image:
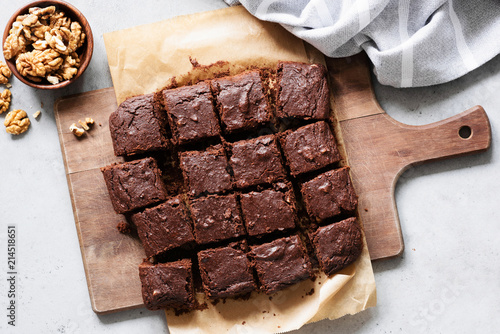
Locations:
378 149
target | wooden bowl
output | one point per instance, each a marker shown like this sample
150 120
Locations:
84 52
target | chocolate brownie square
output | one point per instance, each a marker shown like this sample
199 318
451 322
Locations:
138 126
206 171
337 245
280 263
309 148
256 161
133 185
191 113
241 102
226 272
164 227
268 211
167 285
216 218
302 91
329 194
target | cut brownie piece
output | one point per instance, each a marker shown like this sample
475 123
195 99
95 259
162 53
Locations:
281 263
191 113
133 185
268 211
216 218
337 245
256 161
329 194
309 148
164 227
167 285
226 271
206 171
138 126
302 91
241 102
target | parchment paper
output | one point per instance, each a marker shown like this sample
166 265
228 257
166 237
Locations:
146 58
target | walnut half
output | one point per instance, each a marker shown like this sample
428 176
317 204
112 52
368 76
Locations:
16 42
16 122
76 130
5 73
5 98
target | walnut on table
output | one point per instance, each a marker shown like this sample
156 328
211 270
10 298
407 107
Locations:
5 98
76 130
16 122
5 73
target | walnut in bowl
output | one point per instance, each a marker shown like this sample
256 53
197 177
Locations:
47 44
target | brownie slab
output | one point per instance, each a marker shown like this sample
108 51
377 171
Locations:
302 91
280 263
133 185
216 218
167 285
164 227
337 245
226 272
268 211
191 113
309 148
138 126
329 194
241 102
206 171
256 161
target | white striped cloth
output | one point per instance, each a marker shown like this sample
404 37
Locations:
411 43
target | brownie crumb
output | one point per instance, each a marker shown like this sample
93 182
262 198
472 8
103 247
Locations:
194 62
124 228
310 292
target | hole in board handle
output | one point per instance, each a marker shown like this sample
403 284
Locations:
465 132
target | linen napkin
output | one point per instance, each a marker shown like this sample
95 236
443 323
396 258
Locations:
410 43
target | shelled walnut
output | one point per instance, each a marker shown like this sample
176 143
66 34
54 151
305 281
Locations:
85 124
5 98
5 73
76 130
15 43
45 45
16 122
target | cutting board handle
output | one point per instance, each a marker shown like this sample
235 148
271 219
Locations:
467 132
379 149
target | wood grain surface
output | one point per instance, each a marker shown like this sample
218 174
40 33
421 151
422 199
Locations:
378 150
